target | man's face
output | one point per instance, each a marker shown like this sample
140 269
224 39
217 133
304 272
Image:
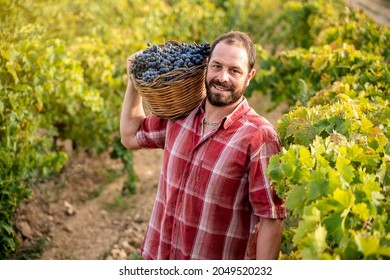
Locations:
227 75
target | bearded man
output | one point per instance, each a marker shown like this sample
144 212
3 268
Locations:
214 200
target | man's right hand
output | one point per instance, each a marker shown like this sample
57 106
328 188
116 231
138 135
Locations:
130 61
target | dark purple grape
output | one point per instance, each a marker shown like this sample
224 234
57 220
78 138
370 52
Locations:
156 60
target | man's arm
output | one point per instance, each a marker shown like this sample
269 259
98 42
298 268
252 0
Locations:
269 239
132 113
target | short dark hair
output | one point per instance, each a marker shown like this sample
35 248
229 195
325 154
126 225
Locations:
238 38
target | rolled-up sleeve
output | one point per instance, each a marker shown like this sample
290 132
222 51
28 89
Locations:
151 134
262 195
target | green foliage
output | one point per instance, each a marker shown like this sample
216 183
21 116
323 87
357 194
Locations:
303 24
346 116
33 251
297 75
357 29
250 16
334 174
333 171
292 27
183 20
11 194
320 42
52 87
337 193
25 143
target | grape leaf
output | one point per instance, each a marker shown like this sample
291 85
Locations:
332 223
371 188
317 186
344 197
305 157
384 251
273 169
328 204
368 245
296 199
309 221
315 244
355 153
361 210
289 163
345 169
366 125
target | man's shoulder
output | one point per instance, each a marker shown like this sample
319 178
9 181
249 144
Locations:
262 125
257 120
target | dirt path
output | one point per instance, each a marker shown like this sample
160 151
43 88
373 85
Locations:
379 10
78 217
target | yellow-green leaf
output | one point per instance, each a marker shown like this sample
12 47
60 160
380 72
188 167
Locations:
366 125
345 169
368 245
345 197
361 210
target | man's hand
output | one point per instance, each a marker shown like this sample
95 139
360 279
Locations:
130 61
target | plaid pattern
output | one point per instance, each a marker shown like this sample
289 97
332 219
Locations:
212 189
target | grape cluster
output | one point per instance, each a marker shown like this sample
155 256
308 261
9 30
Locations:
157 60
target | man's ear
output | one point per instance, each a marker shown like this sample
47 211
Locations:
251 74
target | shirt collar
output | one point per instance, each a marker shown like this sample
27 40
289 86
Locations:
241 109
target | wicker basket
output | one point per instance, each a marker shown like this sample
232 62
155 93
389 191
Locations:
176 97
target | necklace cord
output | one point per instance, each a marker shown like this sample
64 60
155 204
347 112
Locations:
210 123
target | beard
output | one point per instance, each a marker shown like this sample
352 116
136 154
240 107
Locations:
222 100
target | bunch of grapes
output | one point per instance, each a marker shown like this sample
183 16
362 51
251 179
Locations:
155 60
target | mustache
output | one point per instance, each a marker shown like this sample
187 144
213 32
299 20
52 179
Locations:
226 85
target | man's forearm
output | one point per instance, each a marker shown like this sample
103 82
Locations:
132 115
269 239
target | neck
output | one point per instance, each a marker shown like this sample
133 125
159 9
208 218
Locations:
215 114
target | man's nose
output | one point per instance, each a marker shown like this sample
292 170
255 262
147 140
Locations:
223 76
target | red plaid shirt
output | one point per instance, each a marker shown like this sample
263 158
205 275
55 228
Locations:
212 189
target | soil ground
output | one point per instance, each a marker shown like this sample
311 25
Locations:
379 10
82 215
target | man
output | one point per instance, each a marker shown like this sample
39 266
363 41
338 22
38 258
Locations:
214 200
